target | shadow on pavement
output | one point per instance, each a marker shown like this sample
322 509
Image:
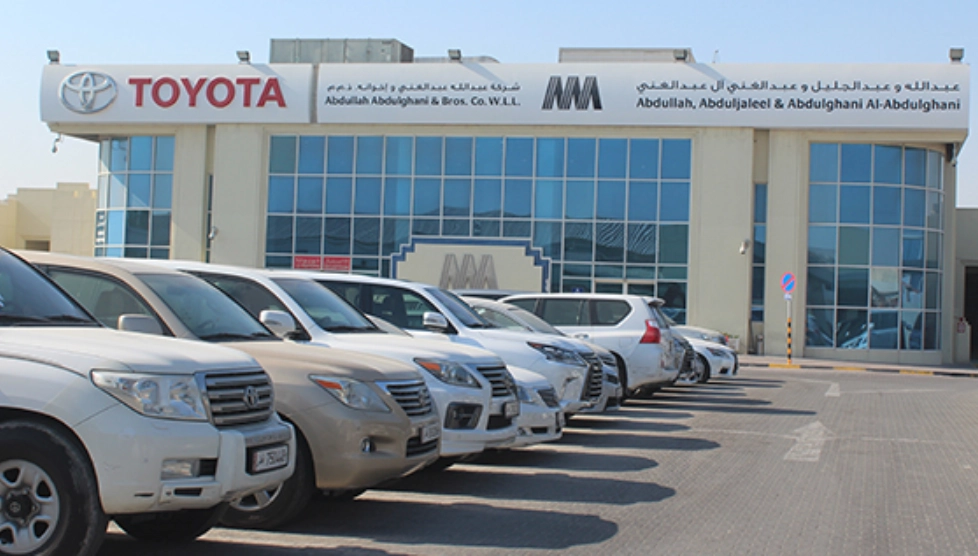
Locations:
464 480
117 544
461 524
633 410
584 422
604 439
568 460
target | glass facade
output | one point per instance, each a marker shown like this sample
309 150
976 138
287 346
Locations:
135 191
875 247
611 214
758 252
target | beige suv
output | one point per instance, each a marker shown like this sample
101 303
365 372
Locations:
360 419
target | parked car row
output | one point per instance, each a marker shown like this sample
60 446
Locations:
335 384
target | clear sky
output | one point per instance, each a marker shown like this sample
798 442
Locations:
512 31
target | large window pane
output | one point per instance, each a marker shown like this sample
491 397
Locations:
821 245
310 196
912 295
487 199
884 287
519 156
611 200
852 329
911 334
283 153
427 196
139 191
854 204
429 161
887 164
137 227
547 236
915 166
581 158
856 163
643 159
934 199
820 328
309 235
163 157
676 159
673 244
886 246
312 151
397 196
609 242
642 243
337 240
821 285
339 195
612 158
458 156
578 242
278 237
886 205
914 208
932 331
516 228
824 164
550 157
399 155
458 194
675 202
549 200
580 200
822 203
884 329
760 203
396 232
366 236
933 250
932 296
367 200
913 248
160 228
518 198
853 287
140 154
853 246
643 200
281 194
370 155
162 191
489 156
339 155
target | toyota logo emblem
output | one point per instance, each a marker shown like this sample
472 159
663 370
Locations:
87 92
251 397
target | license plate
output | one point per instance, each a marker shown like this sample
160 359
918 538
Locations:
268 459
430 432
511 409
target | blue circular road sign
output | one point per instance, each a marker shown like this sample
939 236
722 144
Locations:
788 282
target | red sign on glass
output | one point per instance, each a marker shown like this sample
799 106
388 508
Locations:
306 262
337 264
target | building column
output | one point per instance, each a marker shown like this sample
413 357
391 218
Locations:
239 195
189 215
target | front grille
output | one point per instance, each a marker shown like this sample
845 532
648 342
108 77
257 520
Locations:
413 397
549 396
501 381
595 378
416 448
238 398
609 360
498 422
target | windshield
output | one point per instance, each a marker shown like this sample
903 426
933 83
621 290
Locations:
204 310
330 312
459 308
499 319
28 299
534 322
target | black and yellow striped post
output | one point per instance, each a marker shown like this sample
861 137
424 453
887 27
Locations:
789 332
788 285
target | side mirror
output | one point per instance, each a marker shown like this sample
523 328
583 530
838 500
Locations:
279 322
139 323
434 321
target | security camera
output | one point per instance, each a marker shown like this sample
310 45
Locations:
744 246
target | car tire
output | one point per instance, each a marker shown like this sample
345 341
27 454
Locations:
705 375
275 507
61 483
178 526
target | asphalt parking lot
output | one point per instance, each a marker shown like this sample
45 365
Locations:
775 461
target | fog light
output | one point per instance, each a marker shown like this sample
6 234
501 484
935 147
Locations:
180 469
462 416
367 446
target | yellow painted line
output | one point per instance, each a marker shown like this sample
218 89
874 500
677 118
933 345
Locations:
855 369
912 372
783 366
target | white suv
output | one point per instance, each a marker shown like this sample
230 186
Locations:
431 312
630 326
472 388
156 433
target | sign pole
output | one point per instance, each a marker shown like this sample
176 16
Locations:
788 285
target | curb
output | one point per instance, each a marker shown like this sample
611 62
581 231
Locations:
957 373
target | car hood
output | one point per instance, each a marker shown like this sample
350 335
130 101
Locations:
529 379
406 348
524 337
288 360
84 349
698 332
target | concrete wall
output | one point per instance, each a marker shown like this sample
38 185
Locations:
240 195
63 216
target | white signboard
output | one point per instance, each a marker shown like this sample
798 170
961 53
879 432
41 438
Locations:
199 94
894 96
472 265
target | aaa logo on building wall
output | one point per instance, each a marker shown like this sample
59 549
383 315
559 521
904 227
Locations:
87 92
582 97
468 275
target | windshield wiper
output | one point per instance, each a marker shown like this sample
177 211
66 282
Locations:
71 318
231 336
348 328
21 319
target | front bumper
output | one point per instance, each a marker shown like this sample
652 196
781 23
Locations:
536 424
128 451
491 429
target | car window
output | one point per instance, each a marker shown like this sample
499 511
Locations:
252 296
27 298
348 291
208 313
664 321
609 312
533 322
499 319
459 308
400 307
563 312
105 297
330 311
526 304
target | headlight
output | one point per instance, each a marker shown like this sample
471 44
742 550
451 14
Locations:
352 393
159 396
449 372
529 395
715 338
717 352
560 355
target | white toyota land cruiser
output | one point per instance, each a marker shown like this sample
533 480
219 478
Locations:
158 434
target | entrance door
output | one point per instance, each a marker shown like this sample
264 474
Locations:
971 306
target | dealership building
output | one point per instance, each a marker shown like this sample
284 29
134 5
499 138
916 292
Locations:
741 194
